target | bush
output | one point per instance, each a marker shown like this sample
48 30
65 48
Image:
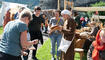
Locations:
99 4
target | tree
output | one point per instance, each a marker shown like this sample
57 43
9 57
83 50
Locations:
99 4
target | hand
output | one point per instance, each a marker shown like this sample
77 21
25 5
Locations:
24 53
59 28
54 27
24 48
32 48
35 41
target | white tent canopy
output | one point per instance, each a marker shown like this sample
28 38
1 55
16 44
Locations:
5 6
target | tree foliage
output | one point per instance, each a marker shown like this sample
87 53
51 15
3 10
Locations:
99 4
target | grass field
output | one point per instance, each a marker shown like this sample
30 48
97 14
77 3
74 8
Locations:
43 52
1 29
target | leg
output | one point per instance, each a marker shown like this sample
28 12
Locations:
86 45
58 43
19 58
62 55
40 37
34 35
69 55
52 45
45 29
34 52
4 56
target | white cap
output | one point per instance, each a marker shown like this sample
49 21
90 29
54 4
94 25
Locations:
66 12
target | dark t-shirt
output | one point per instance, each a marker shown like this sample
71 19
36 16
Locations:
35 23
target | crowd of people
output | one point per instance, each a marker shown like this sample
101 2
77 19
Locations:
26 30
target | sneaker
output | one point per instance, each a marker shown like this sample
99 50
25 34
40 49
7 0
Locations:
53 58
45 32
35 58
57 59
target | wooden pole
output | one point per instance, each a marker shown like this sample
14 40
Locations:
64 4
72 4
58 4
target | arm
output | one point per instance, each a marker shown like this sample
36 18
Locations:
50 29
50 23
54 28
46 22
71 29
24 42
43 20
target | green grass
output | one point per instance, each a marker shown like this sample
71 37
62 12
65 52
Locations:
43 53
1 30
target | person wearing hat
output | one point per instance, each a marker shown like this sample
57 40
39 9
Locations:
68 31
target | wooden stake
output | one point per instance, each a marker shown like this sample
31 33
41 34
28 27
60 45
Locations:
58 4
65 4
